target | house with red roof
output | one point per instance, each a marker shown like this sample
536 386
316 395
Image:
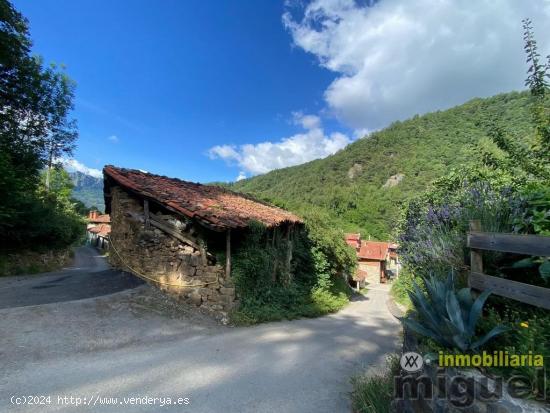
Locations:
375 260
98 230
179 235
372 257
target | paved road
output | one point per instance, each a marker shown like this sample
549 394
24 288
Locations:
297 366
88 276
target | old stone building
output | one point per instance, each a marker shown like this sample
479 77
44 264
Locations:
178 235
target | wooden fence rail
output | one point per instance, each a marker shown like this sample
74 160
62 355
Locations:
521 244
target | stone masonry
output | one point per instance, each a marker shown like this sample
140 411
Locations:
178 268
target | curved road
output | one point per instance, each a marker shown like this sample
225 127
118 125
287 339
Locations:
88 276
100 349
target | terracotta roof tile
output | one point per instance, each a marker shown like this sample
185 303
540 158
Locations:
100 219
353 237
213 205
353 240
101 229
373 250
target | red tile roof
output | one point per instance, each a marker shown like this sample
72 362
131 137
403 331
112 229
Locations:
102 230
373 250
353 240
216 207
100 219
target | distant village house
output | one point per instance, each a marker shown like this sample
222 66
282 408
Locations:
377 261
98 230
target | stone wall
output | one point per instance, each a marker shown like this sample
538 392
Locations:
189 273
31 262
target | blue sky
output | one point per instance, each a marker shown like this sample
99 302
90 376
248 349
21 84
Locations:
172 79
209 90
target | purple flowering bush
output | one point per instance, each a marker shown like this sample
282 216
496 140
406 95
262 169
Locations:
432 233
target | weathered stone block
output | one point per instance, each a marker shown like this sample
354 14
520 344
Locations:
195 298
226 299
194 260
205 291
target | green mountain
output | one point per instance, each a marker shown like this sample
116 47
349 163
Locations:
363 185
88 189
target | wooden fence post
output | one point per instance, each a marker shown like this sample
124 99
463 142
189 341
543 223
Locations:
476 257
527 244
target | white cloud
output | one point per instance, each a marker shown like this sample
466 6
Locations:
241 176
113 138
398 58
263 157
223 152
73 165
306 121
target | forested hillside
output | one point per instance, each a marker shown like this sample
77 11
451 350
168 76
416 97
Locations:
356 186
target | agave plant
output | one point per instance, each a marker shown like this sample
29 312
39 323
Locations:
448 316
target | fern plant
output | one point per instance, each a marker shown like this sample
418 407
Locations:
448 316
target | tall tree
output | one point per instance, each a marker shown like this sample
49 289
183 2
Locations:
35 104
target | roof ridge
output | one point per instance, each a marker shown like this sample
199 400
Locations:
193 199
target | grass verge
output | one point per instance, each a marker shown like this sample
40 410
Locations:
373 393
399 290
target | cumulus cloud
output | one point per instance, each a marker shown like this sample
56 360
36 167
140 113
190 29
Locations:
113 138
241 176
73 165
397 58
263 157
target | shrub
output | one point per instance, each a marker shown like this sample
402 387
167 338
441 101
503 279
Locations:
432 231
532 212
44 219
401 287
313 285
528 331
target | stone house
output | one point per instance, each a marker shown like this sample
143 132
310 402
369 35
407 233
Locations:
179 235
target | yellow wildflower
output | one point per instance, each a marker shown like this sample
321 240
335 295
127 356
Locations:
524 324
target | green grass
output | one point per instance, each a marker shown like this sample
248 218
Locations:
363 291
316 303
373 393
399 290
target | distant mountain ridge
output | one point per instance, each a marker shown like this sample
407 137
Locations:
88 189
363 185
